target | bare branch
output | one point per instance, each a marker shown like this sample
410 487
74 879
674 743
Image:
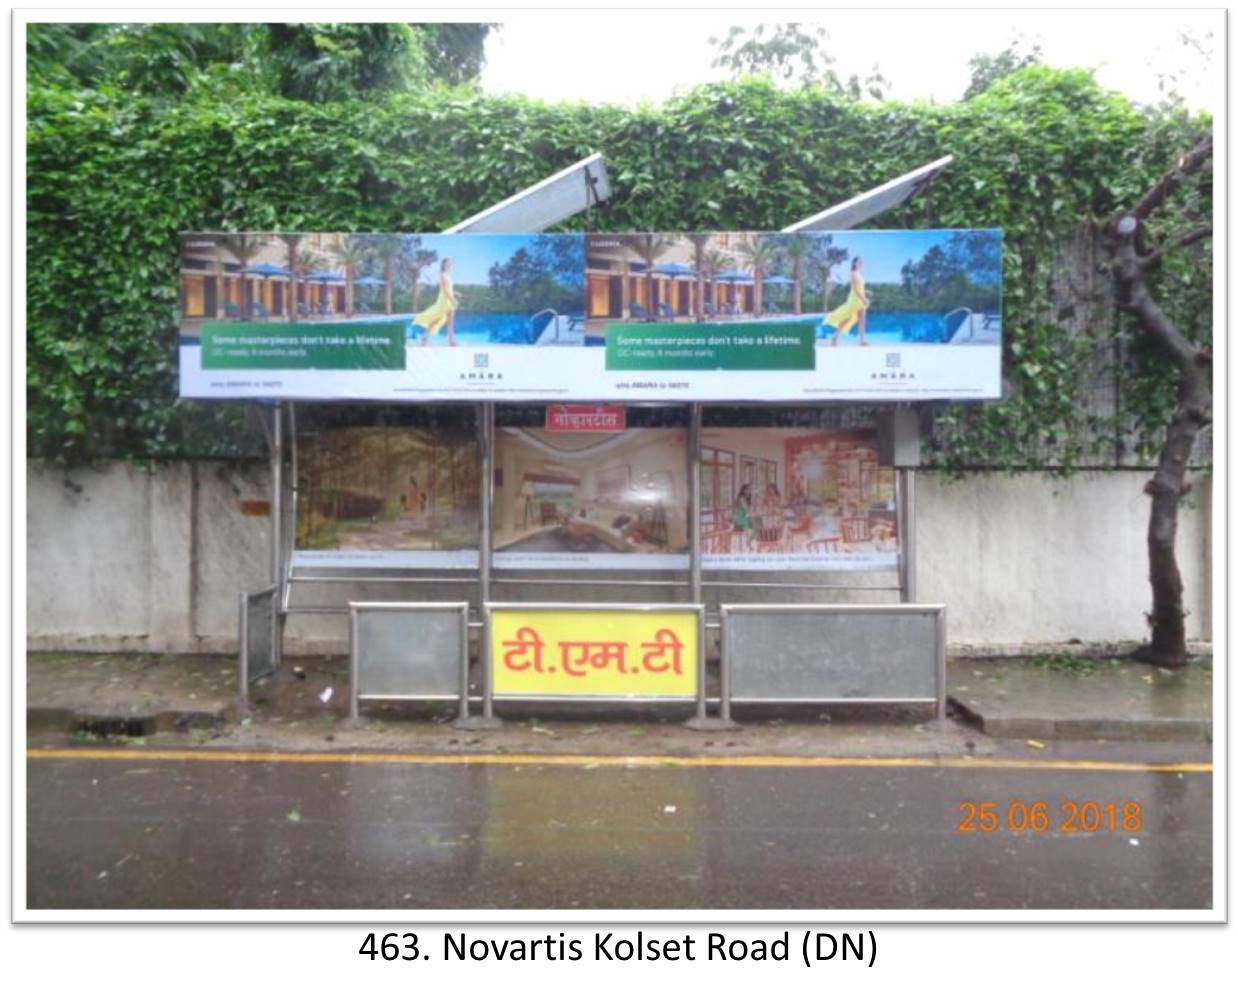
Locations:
1191 162
1154 258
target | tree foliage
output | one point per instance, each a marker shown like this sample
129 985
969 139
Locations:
988 69
792 53
300 61
112 178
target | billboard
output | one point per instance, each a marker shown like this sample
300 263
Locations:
591 500
387 496
724 316
796 499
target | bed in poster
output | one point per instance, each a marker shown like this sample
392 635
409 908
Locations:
722 316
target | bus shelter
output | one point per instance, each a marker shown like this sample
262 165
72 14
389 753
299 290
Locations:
591 462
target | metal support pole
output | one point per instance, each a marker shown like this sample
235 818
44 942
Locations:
694 515
463 715
290 532
908 560
485 416
277 530
485 437
701 720
941 665
277 497
354 668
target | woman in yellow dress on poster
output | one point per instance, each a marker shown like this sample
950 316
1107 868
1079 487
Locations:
854 309
443 310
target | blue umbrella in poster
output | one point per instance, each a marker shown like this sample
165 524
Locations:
733 277
674 270
265 270
323 277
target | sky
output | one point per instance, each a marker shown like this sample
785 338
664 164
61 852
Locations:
642 55
471 255
885 252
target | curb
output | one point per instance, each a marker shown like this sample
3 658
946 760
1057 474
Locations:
1083 728
58 719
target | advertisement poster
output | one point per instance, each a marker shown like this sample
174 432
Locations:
609 653
796 499
721 316
614 501
387 496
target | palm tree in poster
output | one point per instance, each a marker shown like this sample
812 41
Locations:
796 249
759 253
350 252
386 249
292 244
713 263
244 249
649 248
825 256
699 242
416 259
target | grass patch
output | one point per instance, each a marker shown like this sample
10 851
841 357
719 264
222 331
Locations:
1070 664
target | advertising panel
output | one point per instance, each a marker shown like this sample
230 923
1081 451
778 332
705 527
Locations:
796 499
610 653
387 496
591 500
723 316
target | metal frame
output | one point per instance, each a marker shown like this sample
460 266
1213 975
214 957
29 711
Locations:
937 610
488 696
243 635
356 696
596 188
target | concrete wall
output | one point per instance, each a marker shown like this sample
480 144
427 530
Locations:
119 559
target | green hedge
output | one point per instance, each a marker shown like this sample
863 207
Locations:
111 179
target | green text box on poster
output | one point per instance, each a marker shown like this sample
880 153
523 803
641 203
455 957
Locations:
304 346
734 346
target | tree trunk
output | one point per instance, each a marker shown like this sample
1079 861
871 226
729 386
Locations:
1167 645
416 289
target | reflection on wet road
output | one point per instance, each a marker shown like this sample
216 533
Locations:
127 831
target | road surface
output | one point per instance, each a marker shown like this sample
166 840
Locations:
209 829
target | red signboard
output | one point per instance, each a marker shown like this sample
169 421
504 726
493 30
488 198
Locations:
586 418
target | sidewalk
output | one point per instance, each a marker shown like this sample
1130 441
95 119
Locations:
1059 697
994 703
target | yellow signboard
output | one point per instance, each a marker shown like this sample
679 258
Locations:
607 652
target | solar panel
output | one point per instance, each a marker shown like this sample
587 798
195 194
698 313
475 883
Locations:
862 207
547 202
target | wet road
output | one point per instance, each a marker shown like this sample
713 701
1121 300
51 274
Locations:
132 830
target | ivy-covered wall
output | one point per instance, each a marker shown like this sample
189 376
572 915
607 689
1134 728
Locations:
111 179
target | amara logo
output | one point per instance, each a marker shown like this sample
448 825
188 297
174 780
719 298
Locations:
894 360
481 360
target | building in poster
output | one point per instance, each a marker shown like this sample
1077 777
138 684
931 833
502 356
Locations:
724 316
798 499
591 500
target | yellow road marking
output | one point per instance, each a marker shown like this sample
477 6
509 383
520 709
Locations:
610 760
